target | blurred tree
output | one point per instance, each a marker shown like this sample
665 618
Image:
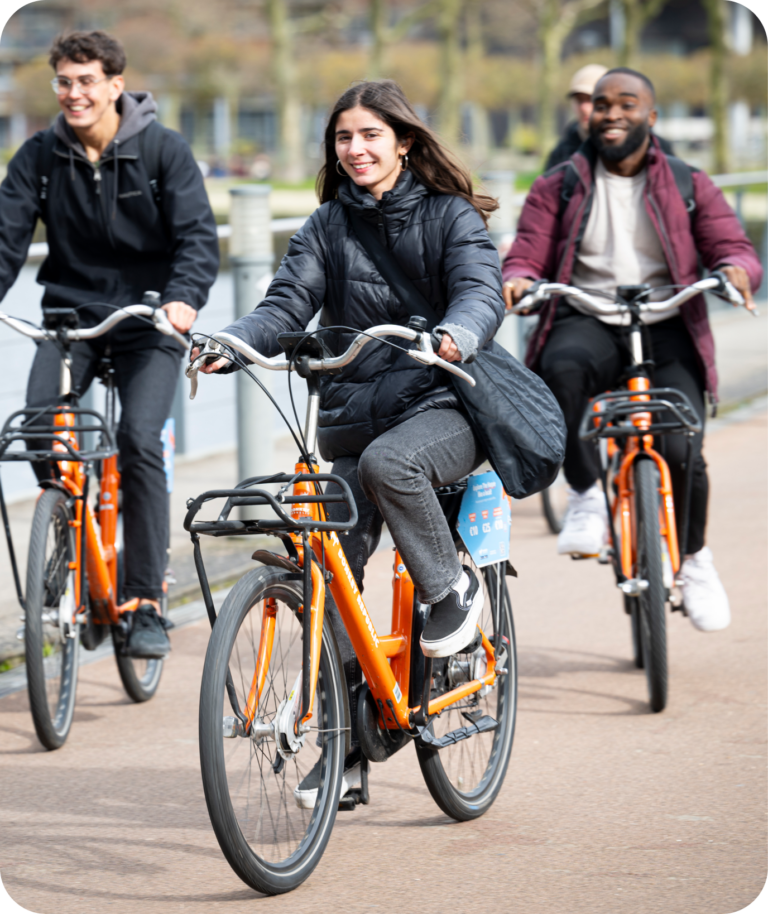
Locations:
384 35
290 158
449 16
718 82
635 15
557 19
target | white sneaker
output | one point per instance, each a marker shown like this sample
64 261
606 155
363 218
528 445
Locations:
305 793
585 528
704 596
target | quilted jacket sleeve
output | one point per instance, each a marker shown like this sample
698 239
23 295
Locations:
296 293
471 273
718 234
533 254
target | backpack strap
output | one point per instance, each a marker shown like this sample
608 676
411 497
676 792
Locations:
683 175
391 271
44 168
570 180
150 147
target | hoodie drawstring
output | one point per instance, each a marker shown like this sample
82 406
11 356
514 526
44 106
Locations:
71 165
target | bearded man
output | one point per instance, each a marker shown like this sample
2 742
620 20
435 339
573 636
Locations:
614 214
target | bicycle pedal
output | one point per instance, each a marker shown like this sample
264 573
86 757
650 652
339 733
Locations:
348 803
579 556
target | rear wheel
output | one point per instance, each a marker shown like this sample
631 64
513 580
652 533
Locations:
465 778
140 678
651 601
51 654
554 503
269 840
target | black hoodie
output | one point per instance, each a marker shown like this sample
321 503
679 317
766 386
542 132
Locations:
109 241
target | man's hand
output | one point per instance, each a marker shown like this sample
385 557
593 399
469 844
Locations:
739 279
182 316
448 350
211 367
513 290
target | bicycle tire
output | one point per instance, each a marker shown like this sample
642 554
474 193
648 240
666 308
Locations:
140 678
633 611
270 842
465 779
552 504
651 602
51 658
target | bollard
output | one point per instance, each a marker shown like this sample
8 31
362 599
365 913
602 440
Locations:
501 228
251 255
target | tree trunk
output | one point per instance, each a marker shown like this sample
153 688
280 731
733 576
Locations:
378 38
718 85
633 24
290 148
550 43
449 103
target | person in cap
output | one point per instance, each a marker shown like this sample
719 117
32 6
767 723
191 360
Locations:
580 91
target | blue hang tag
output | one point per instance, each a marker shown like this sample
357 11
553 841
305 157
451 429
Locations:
168 438
484 519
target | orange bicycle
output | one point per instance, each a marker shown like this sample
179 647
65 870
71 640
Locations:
273 699
644 550
75 554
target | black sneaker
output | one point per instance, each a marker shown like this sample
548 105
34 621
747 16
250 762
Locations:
147 639
452 621
305 793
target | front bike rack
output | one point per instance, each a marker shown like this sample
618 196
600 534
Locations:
246 494
39 425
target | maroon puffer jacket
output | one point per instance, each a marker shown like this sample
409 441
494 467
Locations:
545 245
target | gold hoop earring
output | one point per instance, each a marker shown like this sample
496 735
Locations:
404 162
342 172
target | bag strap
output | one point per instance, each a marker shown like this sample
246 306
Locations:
150 145
683 174
391 271
44 168
570 180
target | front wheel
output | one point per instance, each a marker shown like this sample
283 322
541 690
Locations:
50 643
465 778
270 837
649 568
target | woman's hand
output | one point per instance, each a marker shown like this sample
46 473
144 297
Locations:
210 367
449 351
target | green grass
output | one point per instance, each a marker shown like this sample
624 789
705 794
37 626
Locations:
524 179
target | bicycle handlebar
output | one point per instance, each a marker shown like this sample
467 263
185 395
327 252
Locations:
542 292
159 318
424 354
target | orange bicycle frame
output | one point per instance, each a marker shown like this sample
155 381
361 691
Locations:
385 659
623 504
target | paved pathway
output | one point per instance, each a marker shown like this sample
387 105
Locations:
606 808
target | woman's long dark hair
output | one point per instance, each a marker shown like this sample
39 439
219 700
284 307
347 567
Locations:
432 164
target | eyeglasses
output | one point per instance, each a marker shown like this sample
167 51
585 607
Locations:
61 85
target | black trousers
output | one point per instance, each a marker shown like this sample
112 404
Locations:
146 380
584 357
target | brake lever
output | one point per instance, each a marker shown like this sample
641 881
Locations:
212 352
533 294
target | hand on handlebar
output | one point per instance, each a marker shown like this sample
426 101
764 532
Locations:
210 366
514 289
739 279
181 315
448 350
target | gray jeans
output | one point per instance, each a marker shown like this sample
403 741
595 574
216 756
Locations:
393 481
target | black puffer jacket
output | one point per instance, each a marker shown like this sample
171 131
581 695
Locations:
442 246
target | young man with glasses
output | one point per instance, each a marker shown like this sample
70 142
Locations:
125 211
